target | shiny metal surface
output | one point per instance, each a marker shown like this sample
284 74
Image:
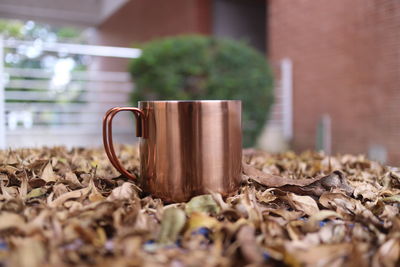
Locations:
187 147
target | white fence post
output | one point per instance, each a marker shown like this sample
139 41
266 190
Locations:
287 97
66 114
2 97
327 134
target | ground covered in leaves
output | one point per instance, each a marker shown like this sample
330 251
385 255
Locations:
62 207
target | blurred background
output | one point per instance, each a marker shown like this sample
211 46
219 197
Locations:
333 68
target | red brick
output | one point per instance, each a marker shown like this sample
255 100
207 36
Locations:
346 63
139 21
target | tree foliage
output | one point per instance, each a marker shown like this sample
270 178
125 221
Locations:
198 67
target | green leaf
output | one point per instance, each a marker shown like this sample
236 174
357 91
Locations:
173 221
203 203
395 198
37 192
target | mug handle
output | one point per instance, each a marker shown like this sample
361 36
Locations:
107 135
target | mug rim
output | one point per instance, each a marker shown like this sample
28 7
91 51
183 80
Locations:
189 101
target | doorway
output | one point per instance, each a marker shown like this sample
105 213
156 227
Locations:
241 20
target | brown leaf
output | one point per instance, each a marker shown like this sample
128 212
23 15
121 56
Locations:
70 195
388 254
200 219
23 188
8 169
72 224
266 196
71 177
36 182
59 189
286 214
366 191
312 223
348 207
218 198
271 180
12 158
9 220
248 245
48 174
37 165
322 255
29 252
7 192
303 203
123 192
95 195
313 186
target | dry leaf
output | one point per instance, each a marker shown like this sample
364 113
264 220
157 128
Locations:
286 214
303 203
71 177
395 198
36 182
218 198
248 245
9 220
48 174
274 180
59 189
29 252
313 186
388 254
312 223
123 192
366 191
172 224
348 207
94 195
203 203
199 219
68 221
23 188
37 192
70 195
322 255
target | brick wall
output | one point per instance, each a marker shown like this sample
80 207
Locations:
143 20
346 63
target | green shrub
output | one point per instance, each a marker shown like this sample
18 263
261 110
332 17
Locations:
198 67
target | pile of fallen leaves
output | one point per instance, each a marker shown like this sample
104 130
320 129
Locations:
62 207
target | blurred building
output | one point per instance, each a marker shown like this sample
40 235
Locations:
343 56
139 20
346 72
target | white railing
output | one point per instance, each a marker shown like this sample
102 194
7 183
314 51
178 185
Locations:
34 111
77 49
2 98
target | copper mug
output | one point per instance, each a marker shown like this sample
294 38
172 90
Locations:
187 148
